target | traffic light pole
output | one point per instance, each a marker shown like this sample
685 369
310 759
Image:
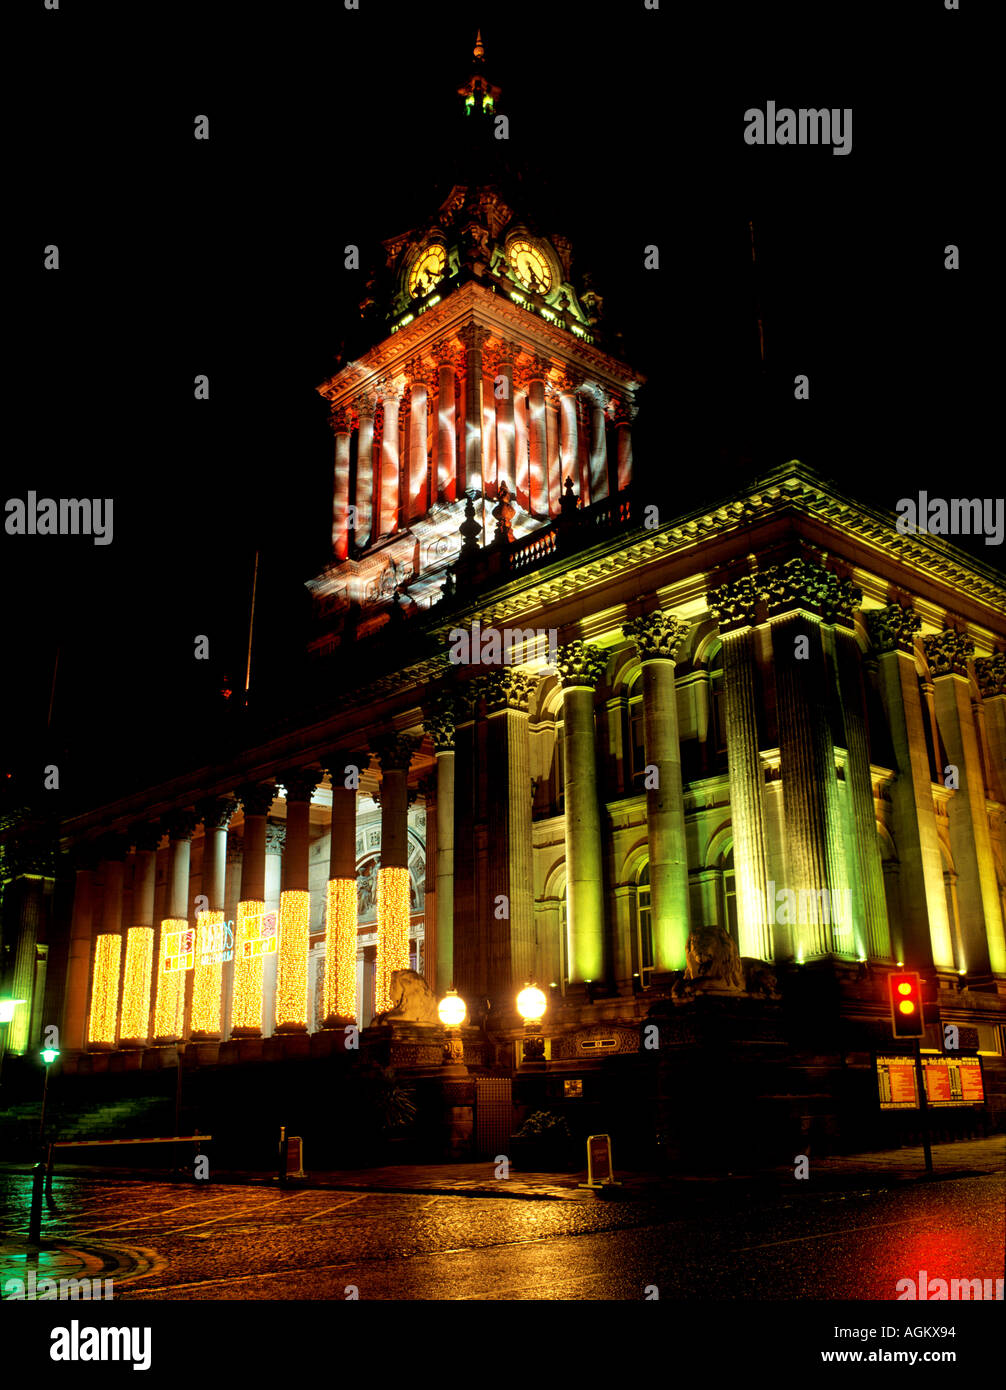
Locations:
920 1081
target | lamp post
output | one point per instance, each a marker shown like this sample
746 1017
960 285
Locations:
531 1005
452 1013
7 1007
48 1055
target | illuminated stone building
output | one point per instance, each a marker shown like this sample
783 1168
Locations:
778 716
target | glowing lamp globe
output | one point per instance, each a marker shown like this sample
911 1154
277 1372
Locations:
7 1007
452 1010
49 1055
531 1004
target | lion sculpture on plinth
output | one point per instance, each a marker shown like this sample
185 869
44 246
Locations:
412 1000
714 966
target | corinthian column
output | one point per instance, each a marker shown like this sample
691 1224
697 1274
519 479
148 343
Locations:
512 959
394 753
624 415
568 446
104 1014
339 420
418 462
580 668
859 786
657 637
734 606
295 903
537 437
207 982
439 722
505 437
474 338
176 947
990 673
926 932
982 934
134 1017
800 594
344 770
444 354
552 448
391 394
79 964
365 471
250 938
598 447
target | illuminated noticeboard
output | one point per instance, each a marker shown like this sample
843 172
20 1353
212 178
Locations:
179 952
953 1080
262 932
948 1080
896 1083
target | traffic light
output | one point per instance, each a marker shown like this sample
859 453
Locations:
907 1020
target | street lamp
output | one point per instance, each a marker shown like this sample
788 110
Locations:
7 1007
531 1005
452 1013
48 1055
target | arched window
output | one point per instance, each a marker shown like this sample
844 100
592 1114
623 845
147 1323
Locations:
644 927
728 892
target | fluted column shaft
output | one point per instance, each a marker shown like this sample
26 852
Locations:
473 338
389 509
598 451
537 439
340 491
580 667
815 850
446 430
870 874
365 473
568 448
25 903
552 447
417 450
747 783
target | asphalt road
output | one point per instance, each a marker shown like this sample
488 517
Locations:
723 1243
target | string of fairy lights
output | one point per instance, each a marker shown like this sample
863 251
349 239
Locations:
340 949
246 1006
134 1022
392 930
291 975
207 973
105 994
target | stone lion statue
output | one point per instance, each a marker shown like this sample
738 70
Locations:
760 978
412 1000
711 957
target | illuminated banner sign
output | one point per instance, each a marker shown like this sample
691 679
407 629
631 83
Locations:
949 1081
218 943
262 933
953 1080
180 951
896 1083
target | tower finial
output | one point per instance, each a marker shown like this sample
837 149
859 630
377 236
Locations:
479 50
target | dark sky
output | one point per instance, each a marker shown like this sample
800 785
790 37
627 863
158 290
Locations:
331 127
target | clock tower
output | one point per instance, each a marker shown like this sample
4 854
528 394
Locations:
488 407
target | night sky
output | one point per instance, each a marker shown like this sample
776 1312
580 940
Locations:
331 127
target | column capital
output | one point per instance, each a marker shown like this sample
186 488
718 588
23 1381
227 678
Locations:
366 405
990 673
145 836
735 603
538 368
802 583
394 751
216 812
474 337
658 636
445 354
256 798
439 719
948 652
892 628
623 411
580 664
509 351
340 420
275 836
300 782
392 389
179 825
508 689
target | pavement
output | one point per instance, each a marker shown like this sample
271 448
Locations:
950 1160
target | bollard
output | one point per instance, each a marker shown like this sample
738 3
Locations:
49 1199
283 1145
35 1218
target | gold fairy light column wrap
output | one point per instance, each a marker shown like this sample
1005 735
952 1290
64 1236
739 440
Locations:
104 1016
176 946
210 935
134 1019
394 752
246 1006
344 769
295 903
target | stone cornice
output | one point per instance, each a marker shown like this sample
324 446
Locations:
474 305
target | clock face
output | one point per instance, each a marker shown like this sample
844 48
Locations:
427 270
530 265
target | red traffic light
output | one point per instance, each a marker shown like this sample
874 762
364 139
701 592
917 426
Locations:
907 1018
